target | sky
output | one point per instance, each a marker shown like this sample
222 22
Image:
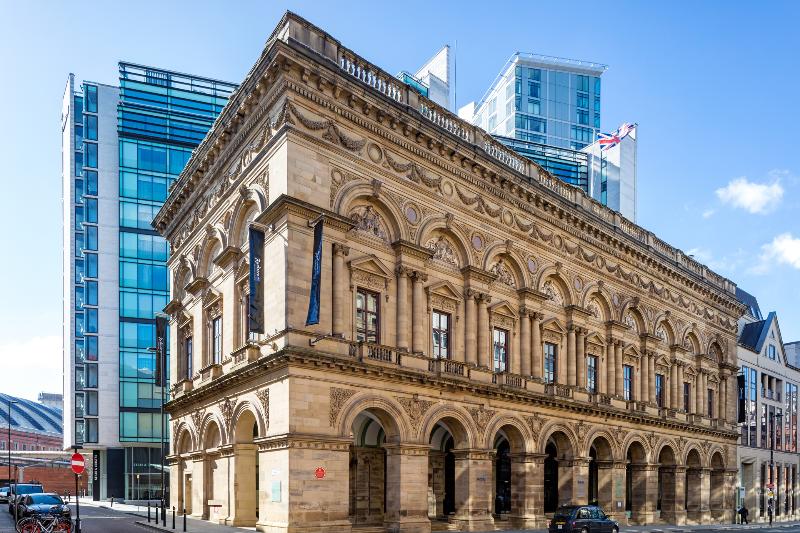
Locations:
713 86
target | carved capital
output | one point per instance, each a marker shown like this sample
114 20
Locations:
341 249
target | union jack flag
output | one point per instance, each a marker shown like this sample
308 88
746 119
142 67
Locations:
608 140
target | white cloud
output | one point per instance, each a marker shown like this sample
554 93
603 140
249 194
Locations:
708 213
725 265
784 250
756 198
31 366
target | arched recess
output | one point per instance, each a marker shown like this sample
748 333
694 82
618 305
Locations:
694 485
632 318
449 434
715 352
213 483
553 284
448 244
245 464
184 275
666 493
597 302
664 330
691 342
506 265
251 205
636 480
375 215
717 498
560 447
508 440
601 470
211 248
373 497
184 444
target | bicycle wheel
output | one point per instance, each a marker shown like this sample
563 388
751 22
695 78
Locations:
29 525
64 525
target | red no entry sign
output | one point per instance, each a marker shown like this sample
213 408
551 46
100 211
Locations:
77 463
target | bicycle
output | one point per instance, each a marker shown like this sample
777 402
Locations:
44 524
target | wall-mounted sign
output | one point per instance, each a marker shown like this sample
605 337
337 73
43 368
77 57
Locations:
319 473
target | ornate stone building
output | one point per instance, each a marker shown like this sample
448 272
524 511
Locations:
492 342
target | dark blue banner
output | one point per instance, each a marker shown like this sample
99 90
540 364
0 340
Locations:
161 351
316 273
255 309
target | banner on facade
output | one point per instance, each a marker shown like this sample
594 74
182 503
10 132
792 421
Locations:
316 274
742 397
161 351
255 308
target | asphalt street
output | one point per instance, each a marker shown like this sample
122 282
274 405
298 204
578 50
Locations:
93 520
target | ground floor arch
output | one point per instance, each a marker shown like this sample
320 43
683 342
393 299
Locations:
601 474
636 470
558 471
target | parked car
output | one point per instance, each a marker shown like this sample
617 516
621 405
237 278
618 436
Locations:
20 489
44 503
4 494
582 519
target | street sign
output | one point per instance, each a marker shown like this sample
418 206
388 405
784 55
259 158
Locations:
78 464
770 495
319 473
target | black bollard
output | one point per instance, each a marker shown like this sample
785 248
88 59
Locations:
112 502
173 517
148 511
184 519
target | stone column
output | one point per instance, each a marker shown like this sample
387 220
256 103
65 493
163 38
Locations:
524 356
651 378
618 373
458 348
580 358
436 483
698 394
673 386
402 308
419 321
676 511
473 494
471 328
406 488
680 386
484 350
571 362
580 481
722 397
536 345
644 387
603 376
705 495
339 284
527 490
199 494
566 482
605 486
244 502
618 493
645 493
693 395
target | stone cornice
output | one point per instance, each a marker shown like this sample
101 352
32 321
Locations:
449 138
298 357
289 205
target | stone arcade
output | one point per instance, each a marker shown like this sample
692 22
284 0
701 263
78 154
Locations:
492 341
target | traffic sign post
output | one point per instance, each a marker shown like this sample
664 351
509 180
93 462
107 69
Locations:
78 466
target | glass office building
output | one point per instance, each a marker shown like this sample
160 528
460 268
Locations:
543 99
122 147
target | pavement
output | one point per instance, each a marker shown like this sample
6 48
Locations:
100 517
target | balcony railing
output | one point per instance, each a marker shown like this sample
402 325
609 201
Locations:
378 352
555 389
509 380
448 366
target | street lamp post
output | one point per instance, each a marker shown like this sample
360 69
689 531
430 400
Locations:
10 402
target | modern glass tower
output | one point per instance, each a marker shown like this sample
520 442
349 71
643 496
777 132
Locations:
542 99
122 147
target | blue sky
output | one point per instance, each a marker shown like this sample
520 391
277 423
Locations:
712 84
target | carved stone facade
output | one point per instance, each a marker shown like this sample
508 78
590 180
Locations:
598 324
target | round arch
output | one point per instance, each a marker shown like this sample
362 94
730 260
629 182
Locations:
359 193
185 441
241 410
613 445
246 210
212 434
438 226
458 422
663 321
597 292
552 273
389 413
562 435
515 431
